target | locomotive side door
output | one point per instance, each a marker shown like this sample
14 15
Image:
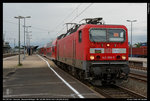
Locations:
74 52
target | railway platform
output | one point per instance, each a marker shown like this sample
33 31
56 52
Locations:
39 77
138 62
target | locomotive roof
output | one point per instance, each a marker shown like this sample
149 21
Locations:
93 20
105 25
81 26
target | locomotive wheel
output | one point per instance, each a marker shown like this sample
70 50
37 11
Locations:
82 74
77 73
73 71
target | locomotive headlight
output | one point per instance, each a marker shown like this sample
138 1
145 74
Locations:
123 57
92 57
108 45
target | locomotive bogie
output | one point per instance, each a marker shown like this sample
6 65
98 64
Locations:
114 69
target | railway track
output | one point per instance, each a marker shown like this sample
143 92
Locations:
114 91
111 91
138 77
8 55
138 67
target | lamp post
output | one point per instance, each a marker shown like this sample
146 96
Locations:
27 39
131 33
14 43
19 17
24 33
29 44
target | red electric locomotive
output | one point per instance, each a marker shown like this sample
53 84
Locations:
95 51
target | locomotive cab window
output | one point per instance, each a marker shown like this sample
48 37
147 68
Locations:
106 35
117 35
98 35
80 36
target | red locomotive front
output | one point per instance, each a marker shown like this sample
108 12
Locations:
107 42
95 51
107 52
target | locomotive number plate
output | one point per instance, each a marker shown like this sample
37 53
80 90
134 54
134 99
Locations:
108 57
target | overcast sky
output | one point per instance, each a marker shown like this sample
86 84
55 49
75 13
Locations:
47 19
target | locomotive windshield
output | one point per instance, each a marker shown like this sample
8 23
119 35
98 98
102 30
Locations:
103 35
116 35
98 35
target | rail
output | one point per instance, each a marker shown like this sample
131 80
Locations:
115 91
111 91
138 77
9 54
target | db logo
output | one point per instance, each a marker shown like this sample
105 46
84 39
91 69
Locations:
107 50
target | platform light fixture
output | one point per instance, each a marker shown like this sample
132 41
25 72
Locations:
24 33
131 33
19 17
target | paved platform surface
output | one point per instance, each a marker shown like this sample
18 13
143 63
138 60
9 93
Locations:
34 79
143 61
138 59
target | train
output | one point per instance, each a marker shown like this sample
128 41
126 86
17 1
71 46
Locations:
92 51
139 51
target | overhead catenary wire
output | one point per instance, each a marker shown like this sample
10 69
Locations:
68 16
59 23
32 26
56 26
22 25
82 11
62 21
77 16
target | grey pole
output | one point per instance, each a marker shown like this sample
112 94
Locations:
24 33
29 44
19 17
27 41
131 38
27 37
19 42
14 43
131 33
24 38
